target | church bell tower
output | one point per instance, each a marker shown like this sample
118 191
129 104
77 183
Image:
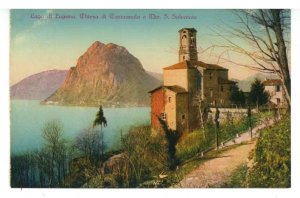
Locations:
188 44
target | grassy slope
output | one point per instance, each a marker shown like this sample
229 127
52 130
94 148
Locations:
272 160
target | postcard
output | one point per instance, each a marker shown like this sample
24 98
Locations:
133 98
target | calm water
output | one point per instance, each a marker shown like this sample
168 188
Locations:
29 117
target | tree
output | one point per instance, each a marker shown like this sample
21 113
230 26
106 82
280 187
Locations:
217 126
139 155
100 120
56 146
172 138
203 110
22 170
88 143
268 33
249 115
237 96
258 96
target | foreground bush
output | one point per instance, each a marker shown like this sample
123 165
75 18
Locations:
272 157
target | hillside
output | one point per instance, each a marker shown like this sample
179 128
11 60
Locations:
245 84
38 86
105 74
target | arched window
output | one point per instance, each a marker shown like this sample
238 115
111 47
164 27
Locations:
184 40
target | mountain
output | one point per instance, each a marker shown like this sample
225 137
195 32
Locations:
38 86
158 76
245 84
105 74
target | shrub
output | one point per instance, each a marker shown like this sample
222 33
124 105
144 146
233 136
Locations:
145 156
272 157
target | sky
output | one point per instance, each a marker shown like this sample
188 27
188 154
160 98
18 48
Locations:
39 44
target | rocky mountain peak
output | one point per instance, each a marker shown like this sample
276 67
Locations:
95 46
106 74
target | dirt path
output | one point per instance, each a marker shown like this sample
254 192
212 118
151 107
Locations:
216 171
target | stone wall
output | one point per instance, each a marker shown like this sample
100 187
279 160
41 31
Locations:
182 113
234 112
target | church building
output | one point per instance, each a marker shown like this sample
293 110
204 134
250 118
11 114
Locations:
183 82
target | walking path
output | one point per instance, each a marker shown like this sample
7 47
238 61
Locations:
215 172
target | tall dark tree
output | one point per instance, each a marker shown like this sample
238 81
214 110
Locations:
237 96
172 138
101 121
258 96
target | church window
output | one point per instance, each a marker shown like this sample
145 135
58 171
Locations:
222 88
192 41
277 88
183 117
169 99
183 57
210 75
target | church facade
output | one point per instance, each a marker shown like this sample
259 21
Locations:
185 81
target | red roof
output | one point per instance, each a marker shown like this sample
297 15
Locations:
181 65
175 88
193 64
271 82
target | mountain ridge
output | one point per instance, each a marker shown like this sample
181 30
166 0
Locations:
108 75
38 86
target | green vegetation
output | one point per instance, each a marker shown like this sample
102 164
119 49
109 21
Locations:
237 96
272 157
191 144
271 162
147 159
172 138
142 159
185 168
238 178
101 121
258 96
46 167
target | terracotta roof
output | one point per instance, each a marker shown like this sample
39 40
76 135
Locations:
192 64
181 65
270 82
174 88
226 81
209 66
154 90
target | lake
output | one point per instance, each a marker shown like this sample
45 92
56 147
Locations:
29 117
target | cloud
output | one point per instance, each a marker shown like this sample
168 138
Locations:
25 35
20 38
